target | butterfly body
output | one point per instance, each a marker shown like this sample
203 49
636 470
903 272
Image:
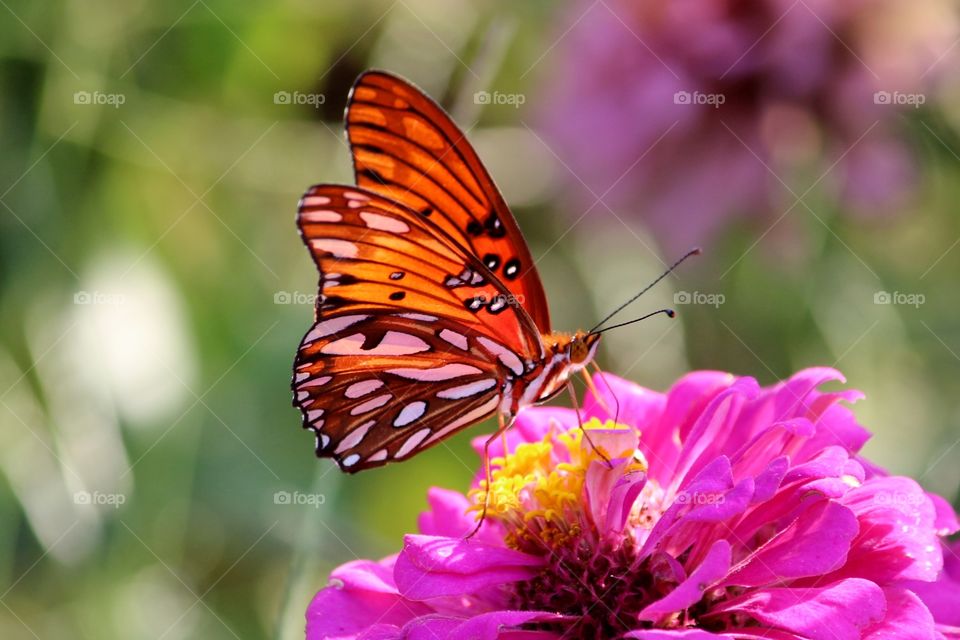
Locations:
431 315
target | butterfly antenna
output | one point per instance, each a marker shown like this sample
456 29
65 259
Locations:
693 252
670 313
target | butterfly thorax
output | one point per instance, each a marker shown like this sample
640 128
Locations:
564 355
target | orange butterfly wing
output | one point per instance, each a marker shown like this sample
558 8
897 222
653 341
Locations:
406 148
401 354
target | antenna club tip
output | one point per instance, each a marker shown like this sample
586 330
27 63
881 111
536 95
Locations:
696 251
671 313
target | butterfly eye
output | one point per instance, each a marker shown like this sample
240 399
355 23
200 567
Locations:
578 351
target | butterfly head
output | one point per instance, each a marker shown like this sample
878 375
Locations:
582 348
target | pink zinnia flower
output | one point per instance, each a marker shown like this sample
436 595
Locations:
716 510
691 112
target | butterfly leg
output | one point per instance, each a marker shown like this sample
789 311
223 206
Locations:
501 431
586 434
616 413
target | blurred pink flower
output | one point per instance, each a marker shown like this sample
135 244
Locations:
724 511
695 112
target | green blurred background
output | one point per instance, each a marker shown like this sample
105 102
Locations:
154 290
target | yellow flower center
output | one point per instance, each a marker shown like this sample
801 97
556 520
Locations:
537 492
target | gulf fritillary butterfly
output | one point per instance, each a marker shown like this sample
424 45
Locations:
431 314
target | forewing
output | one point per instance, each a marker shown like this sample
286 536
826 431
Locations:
406 147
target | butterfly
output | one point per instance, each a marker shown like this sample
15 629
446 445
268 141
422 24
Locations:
431 315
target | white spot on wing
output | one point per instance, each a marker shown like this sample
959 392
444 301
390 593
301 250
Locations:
467 390
349 346
350 460
504 355
445 372
456 339
422 317
370 405
411 412
378 456
314 201
339 248
316 382
356 196
384 223
397 343
411 443
321 215
394 343
360 389
355 437
329 327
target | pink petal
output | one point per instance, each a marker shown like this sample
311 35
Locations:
493 625
685 401
711 432
448 517
714 566
946 522
941 597
815 543
898 539
907 618
610 492
361 595
431 566
840 611
662 634
624 401
767 483
710 497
